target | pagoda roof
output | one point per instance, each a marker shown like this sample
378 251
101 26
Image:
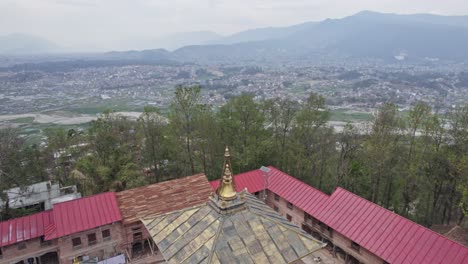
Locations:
250 233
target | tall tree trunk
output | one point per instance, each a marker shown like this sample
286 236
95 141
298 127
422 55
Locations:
189 152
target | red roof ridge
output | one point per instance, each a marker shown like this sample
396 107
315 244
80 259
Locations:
397 215
85 197
25 216
19 229
297 180
392 243
83 214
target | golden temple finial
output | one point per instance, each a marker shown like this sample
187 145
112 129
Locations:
227 186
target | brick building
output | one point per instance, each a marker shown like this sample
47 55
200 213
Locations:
156 199
98 227
109 224
232 227
23 238
355 229
81 229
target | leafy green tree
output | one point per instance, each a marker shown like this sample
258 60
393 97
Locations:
112 161
310 140
242 127
183 112
383 153
348 169
20 165
208 145
10 164
154 147
280 116
412 173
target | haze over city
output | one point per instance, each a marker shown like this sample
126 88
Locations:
91 25
223 131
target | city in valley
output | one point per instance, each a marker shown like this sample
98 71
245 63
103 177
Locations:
247 131
73 92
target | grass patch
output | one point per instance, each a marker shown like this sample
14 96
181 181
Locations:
94 108
345 116
27 120
34 133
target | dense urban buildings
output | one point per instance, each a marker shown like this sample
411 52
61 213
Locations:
41 195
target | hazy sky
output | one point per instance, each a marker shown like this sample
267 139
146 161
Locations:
109 23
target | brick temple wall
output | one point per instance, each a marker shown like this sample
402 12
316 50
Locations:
103 248
22 251
297 217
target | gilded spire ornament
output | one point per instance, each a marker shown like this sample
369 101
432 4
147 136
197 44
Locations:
227 186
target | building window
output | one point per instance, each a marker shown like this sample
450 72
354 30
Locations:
276 197
314 221
22 246
45 243
76 242
1 253
355 246
290 205
92 239
137 236
308 217
289 217
276 208
106 235
330 231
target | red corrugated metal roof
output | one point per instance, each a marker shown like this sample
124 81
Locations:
252 180
84 214
24 228
384 233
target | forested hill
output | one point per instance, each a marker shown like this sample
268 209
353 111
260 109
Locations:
362 36
413 163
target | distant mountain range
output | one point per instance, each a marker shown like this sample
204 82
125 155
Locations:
174 41
26 44
260 34
366 34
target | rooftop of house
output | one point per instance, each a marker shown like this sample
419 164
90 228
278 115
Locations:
386 234
24 228
64 219
454 232
163 197
37 193
232 227
83 214
256 234
68 217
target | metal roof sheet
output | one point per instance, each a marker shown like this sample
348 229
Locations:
384 233
83 214
24 228
163 197
255 234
